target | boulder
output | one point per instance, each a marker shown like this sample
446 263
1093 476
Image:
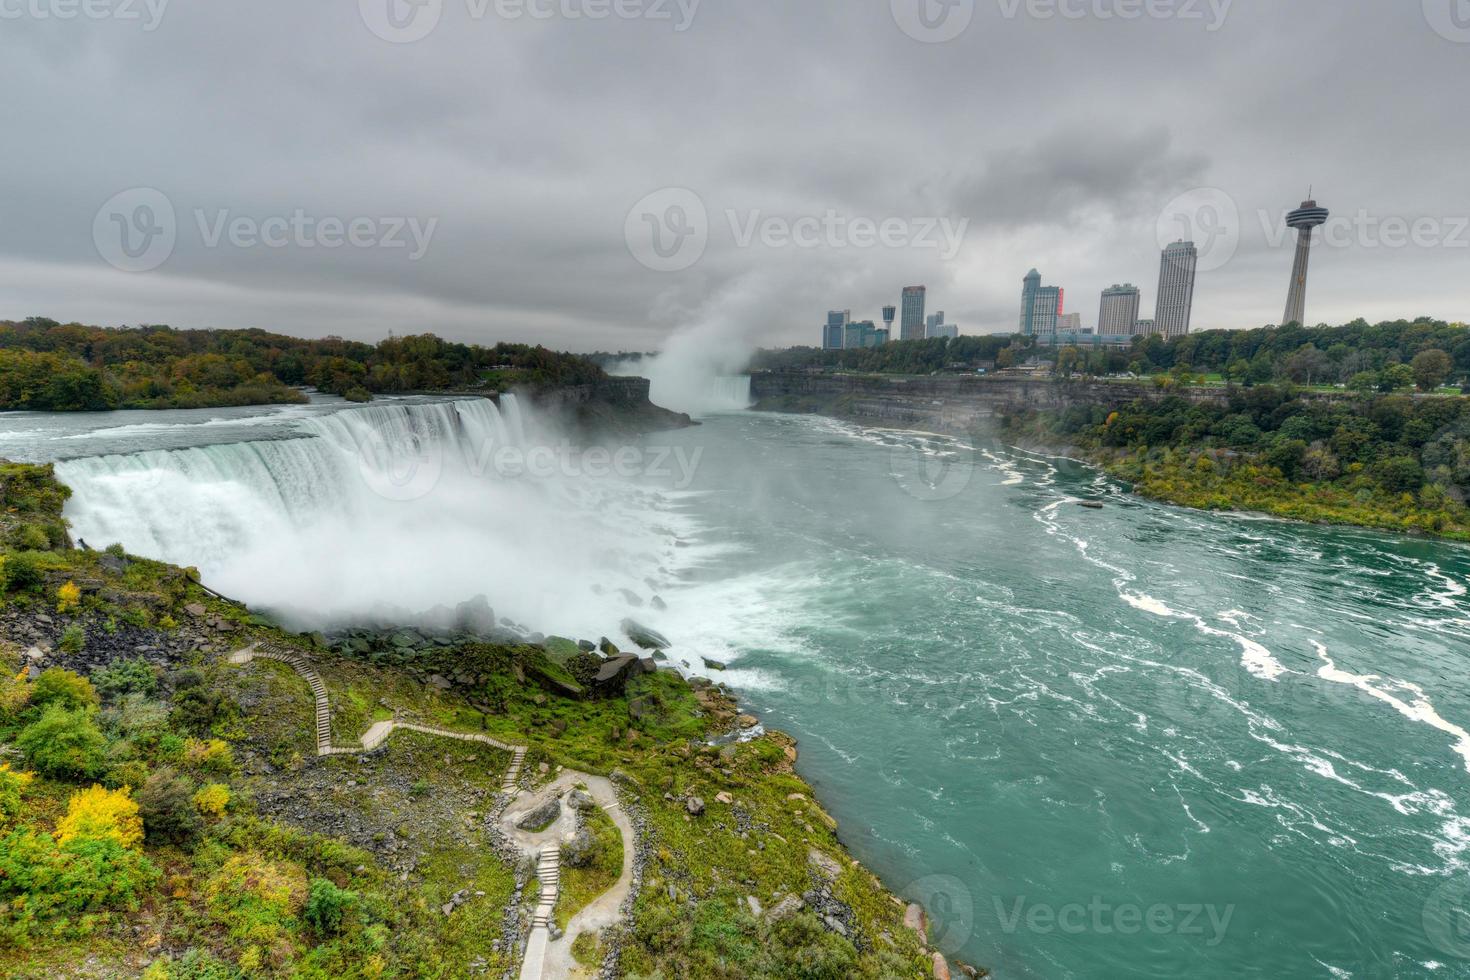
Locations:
631 598
941 967
196 610
541 817
580 800
694 805
788 906
822 863
577 852
713 664
112 564
915 919
615 672
644 637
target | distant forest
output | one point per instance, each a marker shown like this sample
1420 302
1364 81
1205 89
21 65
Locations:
51 366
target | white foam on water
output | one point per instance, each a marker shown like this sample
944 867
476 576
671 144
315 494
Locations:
1419 709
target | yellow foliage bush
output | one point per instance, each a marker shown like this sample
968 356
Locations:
15 695
68 597
213 799
258 900
12 785
98 813
214 754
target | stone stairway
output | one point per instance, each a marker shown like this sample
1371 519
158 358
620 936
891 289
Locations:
517 756
548 872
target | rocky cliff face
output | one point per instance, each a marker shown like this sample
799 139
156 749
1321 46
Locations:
944 403
612 406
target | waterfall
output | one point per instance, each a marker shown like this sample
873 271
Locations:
373 511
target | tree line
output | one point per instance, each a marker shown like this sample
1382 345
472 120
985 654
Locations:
50 366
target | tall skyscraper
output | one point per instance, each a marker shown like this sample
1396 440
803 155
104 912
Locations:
1304 219
932 322
1119 313
1041 306
1175 302
913 312
1069 323
834 335
1029 288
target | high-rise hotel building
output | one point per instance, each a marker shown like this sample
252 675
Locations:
1175 302
1118 315
1041 306
912 325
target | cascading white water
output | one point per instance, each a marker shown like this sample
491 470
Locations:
388 510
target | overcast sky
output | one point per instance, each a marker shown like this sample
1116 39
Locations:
502 176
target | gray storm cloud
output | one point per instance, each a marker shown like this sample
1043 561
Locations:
526 141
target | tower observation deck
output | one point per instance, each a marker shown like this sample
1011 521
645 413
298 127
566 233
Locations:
1305 220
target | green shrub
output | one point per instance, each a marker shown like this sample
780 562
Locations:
12 785
23 572
66 688
196 705
45 885
327 905
134 676
166 801
29 537
73 639
65 744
